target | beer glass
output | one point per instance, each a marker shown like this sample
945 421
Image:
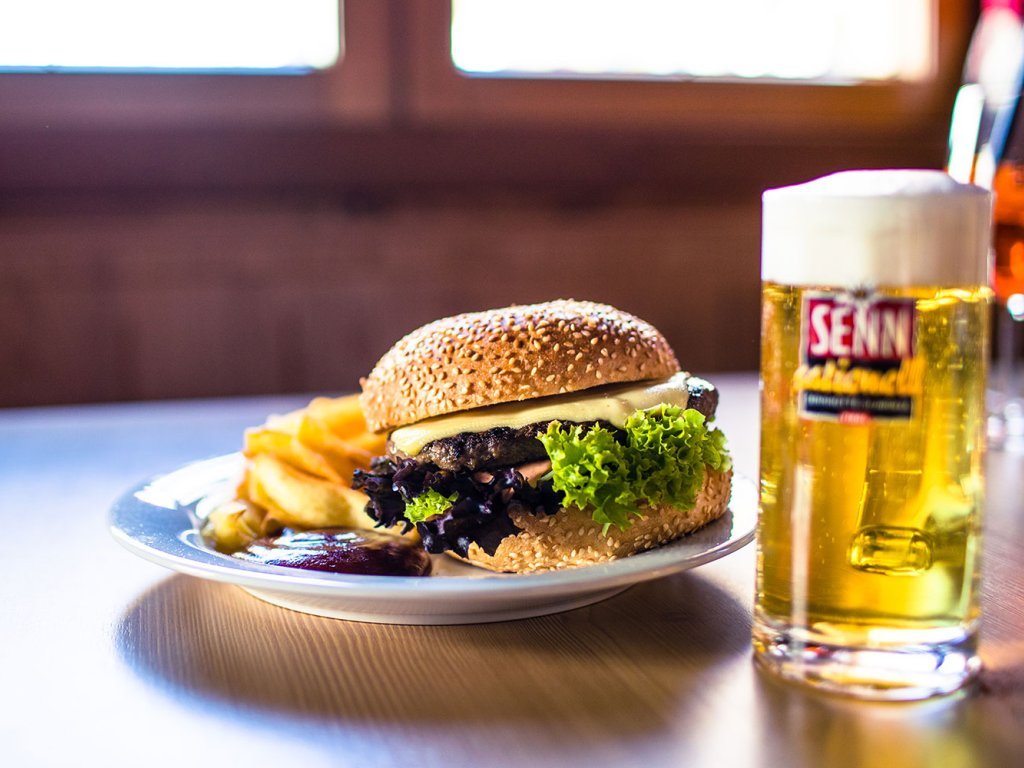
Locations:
875 315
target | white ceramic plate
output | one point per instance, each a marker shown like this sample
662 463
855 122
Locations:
160 521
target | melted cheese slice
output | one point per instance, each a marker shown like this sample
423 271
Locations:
613 404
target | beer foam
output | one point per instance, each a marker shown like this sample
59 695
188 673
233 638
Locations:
891 228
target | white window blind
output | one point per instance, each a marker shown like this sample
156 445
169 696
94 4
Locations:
813 40
169 35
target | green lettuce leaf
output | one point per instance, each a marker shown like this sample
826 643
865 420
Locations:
661 462
427 505
591 470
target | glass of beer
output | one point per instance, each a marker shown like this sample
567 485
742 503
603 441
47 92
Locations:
875 332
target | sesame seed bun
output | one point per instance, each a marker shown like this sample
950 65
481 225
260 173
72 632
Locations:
572 538
510 354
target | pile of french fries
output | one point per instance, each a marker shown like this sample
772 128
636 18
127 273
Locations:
298 475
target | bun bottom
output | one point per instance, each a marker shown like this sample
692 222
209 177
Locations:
571 538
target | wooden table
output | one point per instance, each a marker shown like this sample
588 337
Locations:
110 660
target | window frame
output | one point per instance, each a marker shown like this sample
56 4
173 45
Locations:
395 119
440 94
355 90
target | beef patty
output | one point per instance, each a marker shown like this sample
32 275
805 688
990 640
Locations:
509 446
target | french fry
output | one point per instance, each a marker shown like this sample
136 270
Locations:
285 422
237 523
299 475
343 455
302 500
371 443
291 449
343 416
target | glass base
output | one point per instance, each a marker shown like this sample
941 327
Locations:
893 672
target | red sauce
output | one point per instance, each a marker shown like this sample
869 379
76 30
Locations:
341 550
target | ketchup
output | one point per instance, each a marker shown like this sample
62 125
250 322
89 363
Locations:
341 550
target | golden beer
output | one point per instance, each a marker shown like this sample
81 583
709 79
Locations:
872 448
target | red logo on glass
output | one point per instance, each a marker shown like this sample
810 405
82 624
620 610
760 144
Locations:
870 330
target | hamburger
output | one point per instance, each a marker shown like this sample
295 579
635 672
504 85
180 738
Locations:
543 436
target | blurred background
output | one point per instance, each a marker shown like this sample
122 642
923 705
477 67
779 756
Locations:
226 197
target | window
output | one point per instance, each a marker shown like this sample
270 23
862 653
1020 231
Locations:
915 51
169 36
824 40
171 64
449 65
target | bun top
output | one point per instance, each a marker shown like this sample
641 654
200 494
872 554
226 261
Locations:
510 354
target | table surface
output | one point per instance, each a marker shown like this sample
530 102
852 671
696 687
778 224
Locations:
110 657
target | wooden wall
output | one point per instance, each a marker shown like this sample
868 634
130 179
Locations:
156 263
210 291
218 298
